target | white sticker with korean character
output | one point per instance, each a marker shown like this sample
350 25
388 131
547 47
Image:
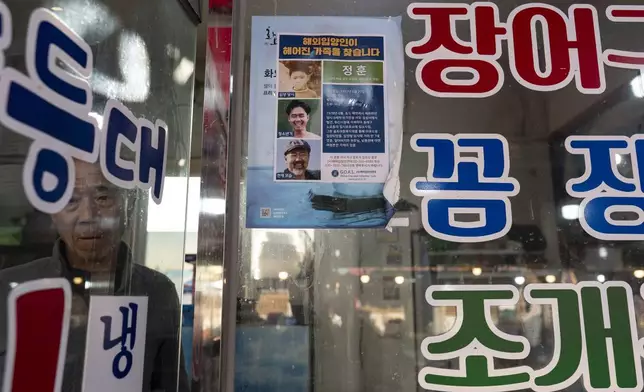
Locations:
115 349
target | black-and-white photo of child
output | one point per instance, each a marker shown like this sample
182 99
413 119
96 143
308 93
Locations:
300 79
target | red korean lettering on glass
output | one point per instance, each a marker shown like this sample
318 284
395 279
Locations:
37 328
547 48
623 58
571 48
443 53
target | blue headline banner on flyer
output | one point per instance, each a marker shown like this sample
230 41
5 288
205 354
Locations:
327 47
320 141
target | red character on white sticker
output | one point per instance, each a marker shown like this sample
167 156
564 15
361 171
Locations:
442 52
571 48
37 328
623 58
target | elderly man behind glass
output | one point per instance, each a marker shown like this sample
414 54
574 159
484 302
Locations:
90 253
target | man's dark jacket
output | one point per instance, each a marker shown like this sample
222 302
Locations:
162 336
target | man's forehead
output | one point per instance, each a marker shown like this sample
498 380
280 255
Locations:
93 181
90 176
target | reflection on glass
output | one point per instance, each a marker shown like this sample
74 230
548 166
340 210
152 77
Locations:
361 302
107 240
134 68
93 254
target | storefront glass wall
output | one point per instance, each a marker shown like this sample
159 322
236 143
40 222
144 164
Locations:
345 309
112 239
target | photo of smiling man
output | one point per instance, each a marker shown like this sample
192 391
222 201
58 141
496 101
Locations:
297 119
301 162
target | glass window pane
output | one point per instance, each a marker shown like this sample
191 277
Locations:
117 241
326 308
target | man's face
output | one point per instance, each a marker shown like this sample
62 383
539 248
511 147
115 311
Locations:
91 224
298 119
297 161
300 80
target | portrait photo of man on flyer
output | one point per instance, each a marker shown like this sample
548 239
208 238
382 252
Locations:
297 155
298 113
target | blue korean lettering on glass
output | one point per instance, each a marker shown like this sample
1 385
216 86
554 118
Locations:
153 144
468 177
601 170
42 163
148 143
128 329
48 34
51 106
609 198
120 128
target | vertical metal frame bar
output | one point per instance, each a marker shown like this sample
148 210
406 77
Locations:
233 196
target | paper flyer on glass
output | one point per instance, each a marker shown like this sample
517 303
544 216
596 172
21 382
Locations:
325 126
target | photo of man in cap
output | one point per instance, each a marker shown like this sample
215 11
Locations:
297 155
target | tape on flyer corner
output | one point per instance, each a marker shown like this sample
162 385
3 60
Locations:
397 222
396 99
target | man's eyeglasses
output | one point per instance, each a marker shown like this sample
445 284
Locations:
298 154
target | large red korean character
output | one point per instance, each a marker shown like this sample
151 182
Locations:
443 53
571 48
623 58
37 326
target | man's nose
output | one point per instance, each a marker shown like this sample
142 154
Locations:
87 211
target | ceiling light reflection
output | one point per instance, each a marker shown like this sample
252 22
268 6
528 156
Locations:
570 211
637 86
184 71
133 83
213 206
